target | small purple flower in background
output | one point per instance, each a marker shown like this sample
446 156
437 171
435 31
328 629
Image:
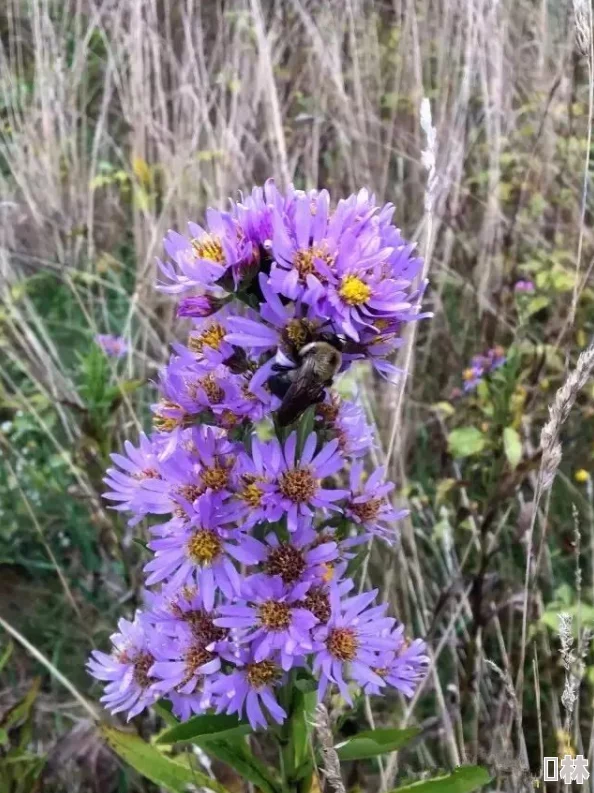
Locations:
482 365
113 346
258 524
524 287
127 669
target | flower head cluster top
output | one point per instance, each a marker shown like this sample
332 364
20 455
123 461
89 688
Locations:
254 526
482 365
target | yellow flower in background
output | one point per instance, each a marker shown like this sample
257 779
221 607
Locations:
564 744
581 476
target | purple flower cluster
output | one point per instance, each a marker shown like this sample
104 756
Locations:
253 527
524 287
112 346
482 365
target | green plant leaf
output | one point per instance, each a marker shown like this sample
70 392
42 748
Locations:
466 441
217 726
536 304
236 754
174 775
374 742
464 779
299 728
512 445
21 712
6 655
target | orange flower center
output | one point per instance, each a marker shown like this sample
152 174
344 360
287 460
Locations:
298 485
204 547
342 644
286 561
274 616
209 247
262 673
354 291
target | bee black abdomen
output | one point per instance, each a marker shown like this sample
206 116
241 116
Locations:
279 384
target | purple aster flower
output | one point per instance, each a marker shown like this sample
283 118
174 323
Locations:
113 346
351 642
524 286
199 305
127 669
125 485
183 665
271 618
296 487
346 422
304 557
201 550
299 244
367 505
403 667
285 327
202 260
248 688
482 365
254 213
360 285
174 606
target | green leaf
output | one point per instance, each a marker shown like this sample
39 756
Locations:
21 712
512 445
464 779
299 728
6 655
536 304
163 709
208 725
466 441
235 753
174 775
374 742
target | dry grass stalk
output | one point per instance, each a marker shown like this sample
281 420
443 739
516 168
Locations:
331 769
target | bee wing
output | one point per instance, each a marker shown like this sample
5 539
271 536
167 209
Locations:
305 390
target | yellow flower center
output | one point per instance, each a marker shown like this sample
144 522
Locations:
342 644
251 493
190 492
203 627
317 601
204 547
195 657
212 336
142 664
298 485
164 423
212 389
216 478
303 261
274 616
354 291
468 374
328 573
286 561
262 673
368 510
209 247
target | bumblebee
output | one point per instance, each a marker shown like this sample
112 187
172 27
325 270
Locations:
298 387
